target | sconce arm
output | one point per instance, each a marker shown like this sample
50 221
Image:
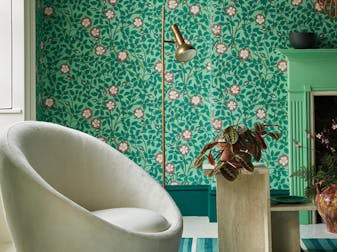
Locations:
169 41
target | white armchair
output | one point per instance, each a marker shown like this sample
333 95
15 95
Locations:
66 191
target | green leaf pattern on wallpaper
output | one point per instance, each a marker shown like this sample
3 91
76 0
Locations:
99 71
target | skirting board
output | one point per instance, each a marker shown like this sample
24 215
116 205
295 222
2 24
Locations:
192 200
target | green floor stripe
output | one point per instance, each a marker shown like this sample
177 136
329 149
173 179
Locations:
186 245
320 245
207 245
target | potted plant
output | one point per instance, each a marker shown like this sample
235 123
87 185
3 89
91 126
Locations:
235 148
322 178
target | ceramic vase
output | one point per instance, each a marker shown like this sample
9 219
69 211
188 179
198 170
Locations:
326 202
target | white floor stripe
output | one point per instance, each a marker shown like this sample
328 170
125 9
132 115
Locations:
199 227
194 245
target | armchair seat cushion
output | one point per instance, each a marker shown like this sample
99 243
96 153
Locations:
134 219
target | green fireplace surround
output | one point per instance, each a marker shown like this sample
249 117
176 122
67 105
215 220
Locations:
310 72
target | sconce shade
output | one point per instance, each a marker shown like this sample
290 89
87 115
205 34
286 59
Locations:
184 51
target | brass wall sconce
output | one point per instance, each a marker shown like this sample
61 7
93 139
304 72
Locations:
183 53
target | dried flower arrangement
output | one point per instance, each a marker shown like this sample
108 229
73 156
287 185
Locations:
327 169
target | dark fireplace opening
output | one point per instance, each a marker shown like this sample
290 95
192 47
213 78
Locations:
325 109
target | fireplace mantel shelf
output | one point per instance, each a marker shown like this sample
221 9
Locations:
310 54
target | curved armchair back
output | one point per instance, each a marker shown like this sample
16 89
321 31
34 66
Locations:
52 177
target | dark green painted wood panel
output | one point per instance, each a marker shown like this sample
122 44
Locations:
191 200
200 200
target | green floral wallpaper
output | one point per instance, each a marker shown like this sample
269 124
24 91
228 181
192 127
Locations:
98 70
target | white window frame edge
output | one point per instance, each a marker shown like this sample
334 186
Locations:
17 59
30 59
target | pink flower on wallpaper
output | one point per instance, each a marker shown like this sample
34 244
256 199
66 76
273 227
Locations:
184 149
169 76
101 138
110 14
110 105
86 22
187 135
260 19
261 113
112 2
220 48
187 41
282 65
65 68
138 113
172 4
235 89
170 168
86 113
95 32
283 160
123 147
296 2
216 124
113 90
231 11
318 6
244 54
42 45
49 102
96 123
48 11
173 95
208 66
100 50
158 67
159 158
232 105
216 29
138 22
174 183
196 100
122 56
195 9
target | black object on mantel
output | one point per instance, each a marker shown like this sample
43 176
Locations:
302 40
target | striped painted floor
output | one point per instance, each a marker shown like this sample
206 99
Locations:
211 245
201 236
199 245
319 245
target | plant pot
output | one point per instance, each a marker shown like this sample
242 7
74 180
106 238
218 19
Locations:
326 202
302 40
